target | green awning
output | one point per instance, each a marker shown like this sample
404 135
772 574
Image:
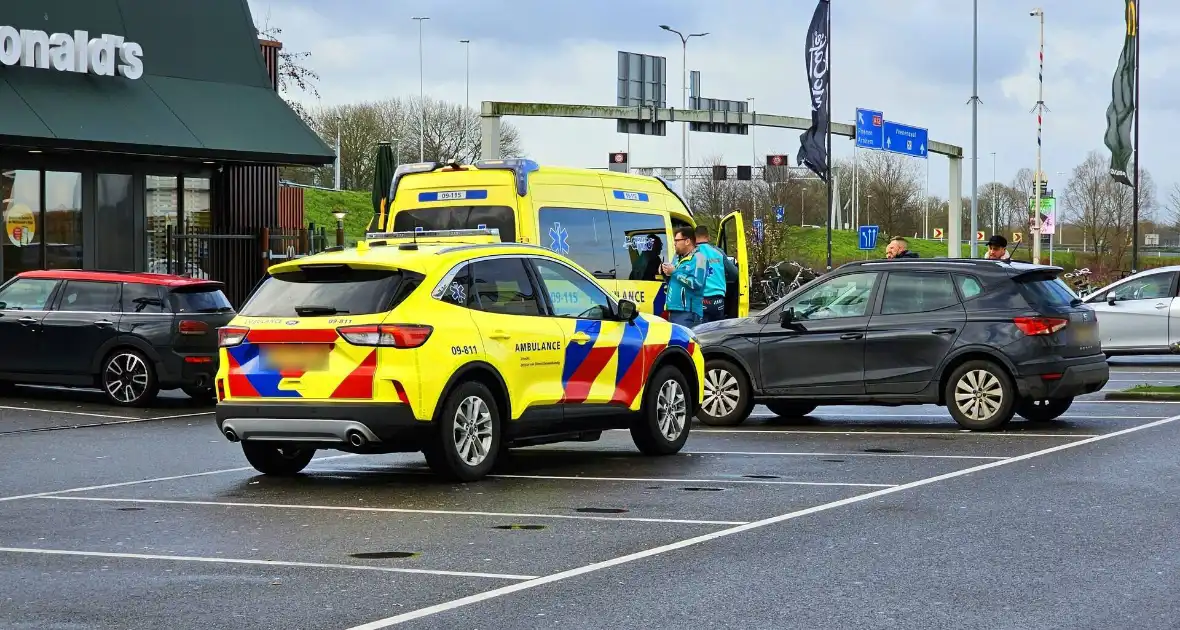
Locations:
204 92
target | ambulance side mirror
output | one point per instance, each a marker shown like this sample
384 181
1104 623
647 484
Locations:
628 311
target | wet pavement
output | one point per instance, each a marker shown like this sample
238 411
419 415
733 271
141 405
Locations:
854 517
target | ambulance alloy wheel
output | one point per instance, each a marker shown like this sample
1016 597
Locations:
468 438
662 425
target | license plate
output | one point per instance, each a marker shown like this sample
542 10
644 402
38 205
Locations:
296 357
452 195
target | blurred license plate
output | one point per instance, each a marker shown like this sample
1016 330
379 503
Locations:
305 357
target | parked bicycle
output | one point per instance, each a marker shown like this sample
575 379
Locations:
1080 281
774 284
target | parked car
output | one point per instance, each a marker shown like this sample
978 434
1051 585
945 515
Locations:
1140 313
128 334
985 338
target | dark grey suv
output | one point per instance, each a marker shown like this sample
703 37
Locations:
987 339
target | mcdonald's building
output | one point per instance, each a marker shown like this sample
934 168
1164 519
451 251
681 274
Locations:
144 135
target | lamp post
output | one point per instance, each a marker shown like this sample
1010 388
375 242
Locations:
467 103
753 143
995 189
974 129
683 101
421 96
339 214
1039 109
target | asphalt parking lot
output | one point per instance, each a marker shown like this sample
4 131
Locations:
852 518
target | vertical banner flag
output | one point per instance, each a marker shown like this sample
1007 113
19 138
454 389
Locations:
1122 105
812 152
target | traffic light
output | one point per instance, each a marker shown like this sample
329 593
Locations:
720 172
745 173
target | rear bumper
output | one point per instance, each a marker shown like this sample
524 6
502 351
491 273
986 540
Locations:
386 426
1076 379
179 369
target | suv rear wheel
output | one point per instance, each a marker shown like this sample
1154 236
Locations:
128 378
277 460
1043 410
468 439
663 424
980 396
727 400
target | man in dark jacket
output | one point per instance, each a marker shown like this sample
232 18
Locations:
898 247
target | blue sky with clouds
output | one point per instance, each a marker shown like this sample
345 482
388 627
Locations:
911 59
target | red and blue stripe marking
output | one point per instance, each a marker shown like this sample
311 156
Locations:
249 377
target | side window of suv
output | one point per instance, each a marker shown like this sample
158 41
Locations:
505 287
84 296
459 292
843 296
572 294
27 294
142 299
912 292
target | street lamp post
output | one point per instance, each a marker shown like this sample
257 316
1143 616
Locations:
467 103
421 96
974 129
683 101
1040 110
995 189
753 143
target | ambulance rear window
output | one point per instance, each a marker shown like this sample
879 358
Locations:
459 218
330 290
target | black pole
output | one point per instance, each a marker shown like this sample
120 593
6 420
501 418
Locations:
828 134
1135 158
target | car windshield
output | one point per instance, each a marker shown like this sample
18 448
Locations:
324 290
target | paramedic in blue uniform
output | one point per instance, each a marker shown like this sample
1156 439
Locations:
719 272
686 280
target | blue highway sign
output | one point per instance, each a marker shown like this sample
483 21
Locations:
868 236
870 131
905 139
759 230
779 213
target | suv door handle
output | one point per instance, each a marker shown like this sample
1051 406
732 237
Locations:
27 321
499 334
579 338
103 323
943 331
851 336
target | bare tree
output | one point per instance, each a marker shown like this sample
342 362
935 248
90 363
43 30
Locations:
1103 208
294 75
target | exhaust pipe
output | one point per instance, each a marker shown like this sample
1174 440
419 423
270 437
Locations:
230 435
356 438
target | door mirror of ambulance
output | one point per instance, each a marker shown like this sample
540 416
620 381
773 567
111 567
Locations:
628 311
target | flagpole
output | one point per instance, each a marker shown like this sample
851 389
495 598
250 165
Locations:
828 133
1135 158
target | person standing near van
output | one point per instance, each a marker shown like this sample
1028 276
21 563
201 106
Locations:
719 272
686 280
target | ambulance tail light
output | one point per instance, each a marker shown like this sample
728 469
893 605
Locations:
230 336
386 335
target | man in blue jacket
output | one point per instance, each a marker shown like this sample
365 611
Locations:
719 271
686 280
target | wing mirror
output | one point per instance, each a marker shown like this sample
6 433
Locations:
787 318
628 311
1111 299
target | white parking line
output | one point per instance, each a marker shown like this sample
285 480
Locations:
336 508
947 416
902 455
69 413
655 551
184 415
123 484
268 563
837 431
663 480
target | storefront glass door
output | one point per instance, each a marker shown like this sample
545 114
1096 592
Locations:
20 201
163 212
63 220
114 221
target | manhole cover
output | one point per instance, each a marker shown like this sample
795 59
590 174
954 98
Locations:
529 527
694 489
130 509
598 510
382 555
762 477
881 450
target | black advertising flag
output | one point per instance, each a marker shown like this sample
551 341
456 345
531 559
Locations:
812 150
1123 107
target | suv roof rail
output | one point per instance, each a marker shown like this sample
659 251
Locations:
410 240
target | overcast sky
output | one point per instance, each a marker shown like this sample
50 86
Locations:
910 59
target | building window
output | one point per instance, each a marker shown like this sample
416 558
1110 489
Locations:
63 220
20 200
162 210
114 214
197 223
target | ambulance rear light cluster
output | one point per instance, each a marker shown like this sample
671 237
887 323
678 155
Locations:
386 335
230 336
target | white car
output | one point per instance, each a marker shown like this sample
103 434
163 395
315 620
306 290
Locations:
1139 314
